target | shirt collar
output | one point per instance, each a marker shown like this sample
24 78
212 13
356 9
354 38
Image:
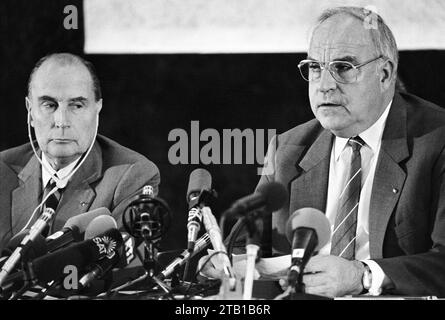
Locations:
372 136
62 173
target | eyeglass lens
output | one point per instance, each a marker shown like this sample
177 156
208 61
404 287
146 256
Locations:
341 71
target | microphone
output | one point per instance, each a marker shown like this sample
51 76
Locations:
37 248
100 225
202 243
74 228
214 232
200 179
96 227
124 252
51 266
308 230
270 196
100 268
33 233
147 217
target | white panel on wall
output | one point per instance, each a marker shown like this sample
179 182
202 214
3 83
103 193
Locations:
242 26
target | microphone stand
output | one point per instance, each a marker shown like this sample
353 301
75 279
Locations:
29 280
19 252
297 287
147 217
150 262
252 248
151 265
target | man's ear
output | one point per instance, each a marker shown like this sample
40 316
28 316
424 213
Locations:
387 74
99 106
28 107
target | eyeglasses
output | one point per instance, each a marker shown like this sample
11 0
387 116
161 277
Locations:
342 71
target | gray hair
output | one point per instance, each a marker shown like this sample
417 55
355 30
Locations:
382 37
69 59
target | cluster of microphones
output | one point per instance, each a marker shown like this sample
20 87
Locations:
92 246
89 245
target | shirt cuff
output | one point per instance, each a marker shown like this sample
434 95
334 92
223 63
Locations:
377 277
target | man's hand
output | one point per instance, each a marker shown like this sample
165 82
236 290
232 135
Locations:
333 276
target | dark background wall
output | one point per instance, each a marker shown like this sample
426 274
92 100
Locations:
146 96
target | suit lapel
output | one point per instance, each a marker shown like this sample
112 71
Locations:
25 197
78 194
389 176
309 189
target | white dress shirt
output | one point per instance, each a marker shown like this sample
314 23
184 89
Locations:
338 176
61 174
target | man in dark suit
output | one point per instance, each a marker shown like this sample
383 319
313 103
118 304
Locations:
373 161
92 171
398 218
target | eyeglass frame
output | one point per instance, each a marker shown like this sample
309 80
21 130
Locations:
323 66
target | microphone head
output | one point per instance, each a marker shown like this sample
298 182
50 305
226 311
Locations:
82 221
99 225
199 179
52 266
275 195
310 218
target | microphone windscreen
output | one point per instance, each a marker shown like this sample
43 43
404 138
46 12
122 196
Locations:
275 195
63 238
37 248
199 179
310 218
100 225
54 265
82 221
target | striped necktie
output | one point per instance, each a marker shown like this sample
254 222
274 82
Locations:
51 202
345 227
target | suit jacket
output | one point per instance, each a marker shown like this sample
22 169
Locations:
407 210
110 177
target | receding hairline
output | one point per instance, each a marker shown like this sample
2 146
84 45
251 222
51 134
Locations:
352 18
382 38
66 60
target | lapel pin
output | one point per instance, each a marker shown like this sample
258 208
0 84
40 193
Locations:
83 204
394 190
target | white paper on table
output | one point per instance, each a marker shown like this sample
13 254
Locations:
269 268
275 267
238 264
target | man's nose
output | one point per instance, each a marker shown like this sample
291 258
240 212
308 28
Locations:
327 82
61 117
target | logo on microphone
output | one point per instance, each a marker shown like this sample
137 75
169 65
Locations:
106 246
298 253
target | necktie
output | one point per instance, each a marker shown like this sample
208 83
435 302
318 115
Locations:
51 202
344 234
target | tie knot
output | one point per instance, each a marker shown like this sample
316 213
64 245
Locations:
356 143
51 184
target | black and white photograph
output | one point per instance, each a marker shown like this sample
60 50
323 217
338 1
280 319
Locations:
199 151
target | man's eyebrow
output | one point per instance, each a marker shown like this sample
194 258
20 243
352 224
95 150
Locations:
78 99
351 59
47 98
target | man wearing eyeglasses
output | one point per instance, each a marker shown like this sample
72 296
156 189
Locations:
373 161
